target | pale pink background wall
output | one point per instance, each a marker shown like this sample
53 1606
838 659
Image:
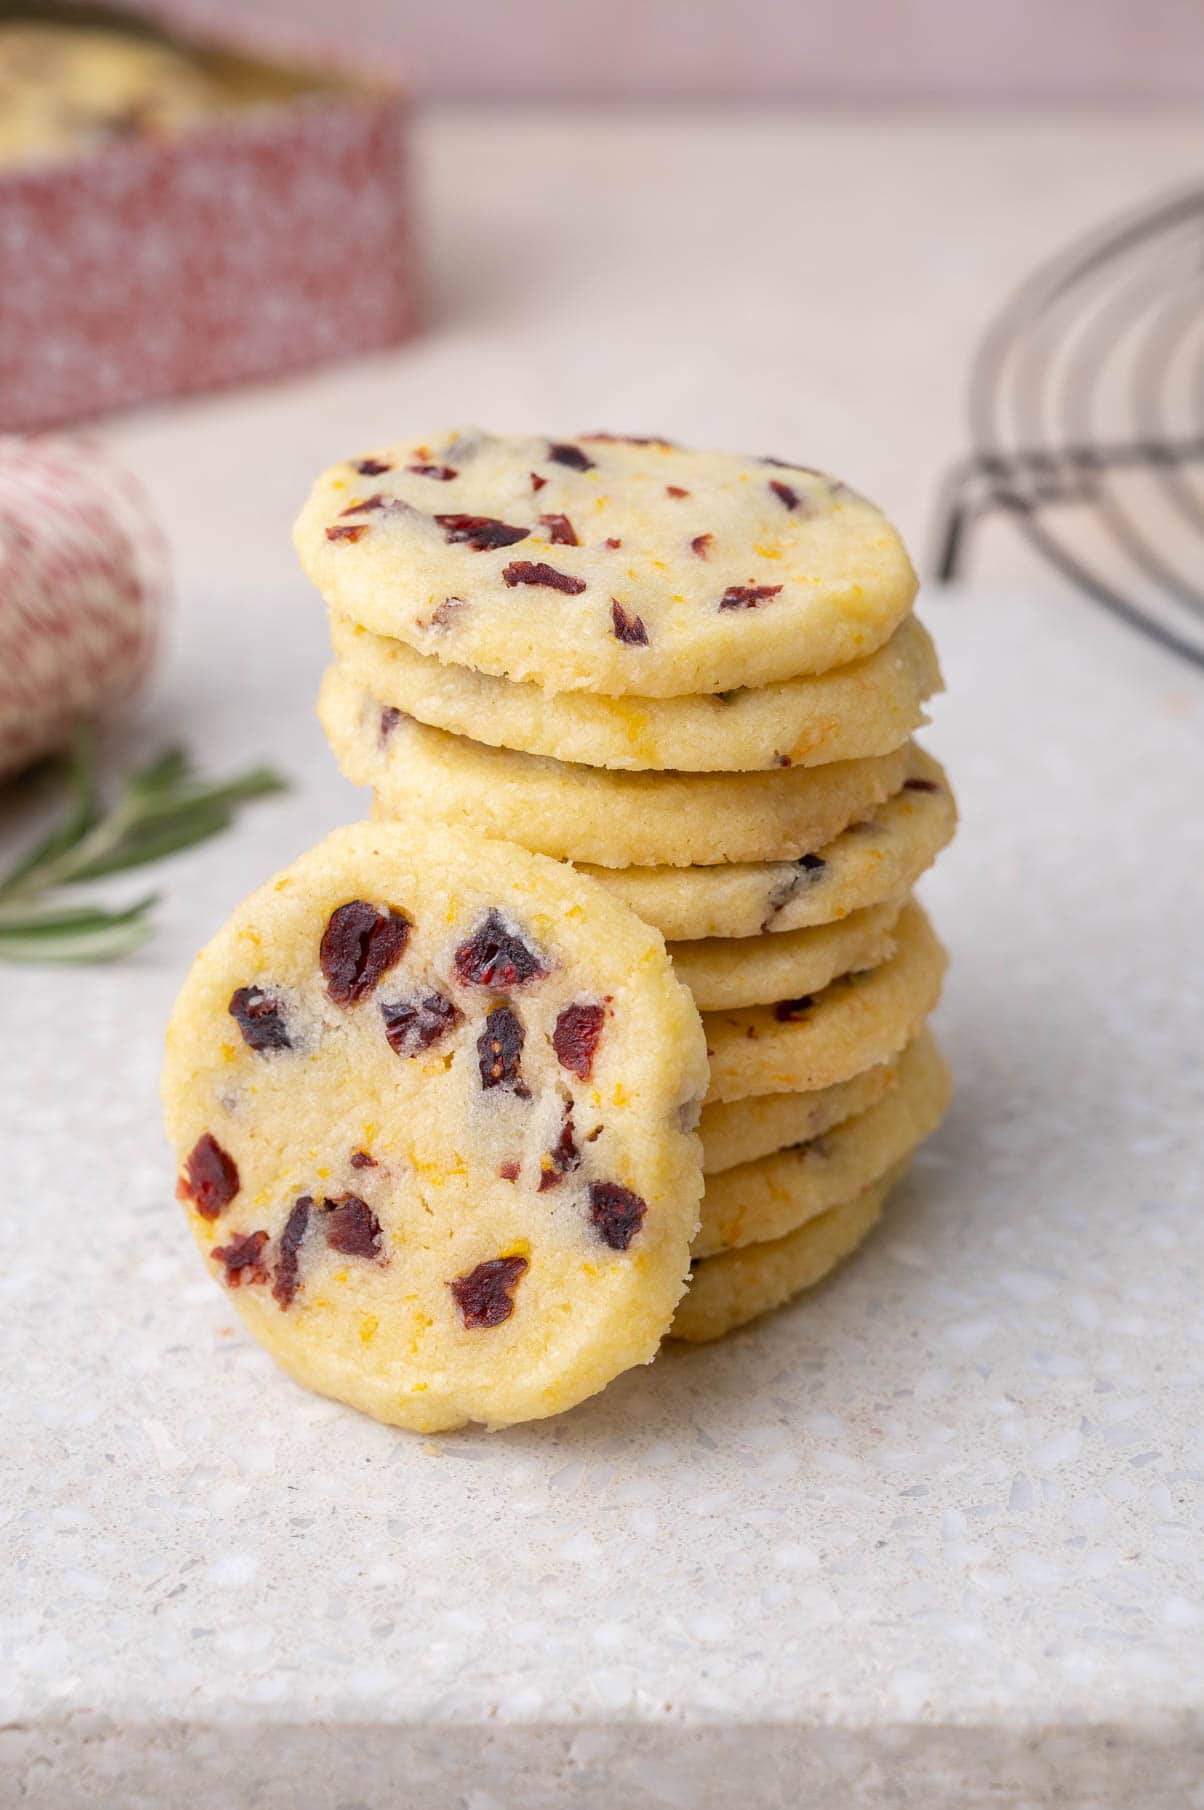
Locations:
950 49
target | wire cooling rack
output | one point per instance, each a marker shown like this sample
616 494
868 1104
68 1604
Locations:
1086 414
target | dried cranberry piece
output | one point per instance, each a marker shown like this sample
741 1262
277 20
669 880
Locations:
441 616
784 493
562 452
747 596
496 957
499 1052
561 532
260 1019
793 1011
510 1170
480 533
617 1213
537 483
782 760
534 571
359 945
371 468
630 439
702 544
390 716
612 541
212 1177
348 531
351 1226
629 629
675 490
379 501
484 1294
561 1160
414 1025
813 864
443 473
243 1259
920 785
575 1038
288 1260
361 1160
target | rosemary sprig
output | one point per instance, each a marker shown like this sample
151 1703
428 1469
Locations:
162 808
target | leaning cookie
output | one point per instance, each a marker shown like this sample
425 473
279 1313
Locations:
868 707
738 1286
431 1098
725 972
629 568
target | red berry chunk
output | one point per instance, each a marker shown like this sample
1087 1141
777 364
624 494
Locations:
793 1011
442 473
675 490
287 1278
499 1052
747 596
575 1038
260 1020
371 468
351 1226
563 1159
702 544
784 493
212 1180
243 1259
563 453
348 531
361 1160
560 530
920 785
616 1212
537 572
494 956
414 1025
627 628
359 945
480 533
484 1294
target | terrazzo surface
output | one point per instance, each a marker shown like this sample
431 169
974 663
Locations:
932 1536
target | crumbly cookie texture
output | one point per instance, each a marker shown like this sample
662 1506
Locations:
738 1286
587 813
629 568
64 89
879 857
725 972
868 707
431 1098
773 1195
818 1040
742 1130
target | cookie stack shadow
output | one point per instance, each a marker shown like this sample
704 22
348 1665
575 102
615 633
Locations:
771 827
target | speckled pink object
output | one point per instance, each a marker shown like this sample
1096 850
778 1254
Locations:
83 579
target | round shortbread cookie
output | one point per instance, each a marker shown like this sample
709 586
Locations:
869 707
430 1097
737 1286
739 1131
860 1020
878 858
773 1195
64 90
586 813
605 565
724 973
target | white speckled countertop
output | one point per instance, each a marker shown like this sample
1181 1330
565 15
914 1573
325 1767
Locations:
930 1540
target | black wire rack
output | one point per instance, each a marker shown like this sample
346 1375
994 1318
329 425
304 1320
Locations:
1087 423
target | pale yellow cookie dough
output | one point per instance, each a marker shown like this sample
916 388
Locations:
858 1021
869 707
592 564
739 1131
430 1096
66 89
878 858
725 972
771 1196
738 1286
586 813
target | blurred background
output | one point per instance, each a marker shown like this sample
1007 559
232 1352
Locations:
786 227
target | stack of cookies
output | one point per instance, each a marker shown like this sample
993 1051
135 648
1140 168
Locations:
695 678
